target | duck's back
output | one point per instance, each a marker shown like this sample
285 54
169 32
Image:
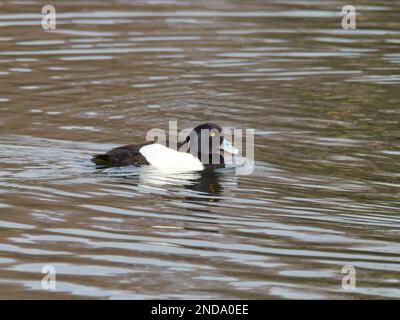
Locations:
122 156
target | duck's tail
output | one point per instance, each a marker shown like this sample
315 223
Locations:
101 159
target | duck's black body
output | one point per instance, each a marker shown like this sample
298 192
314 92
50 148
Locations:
122 156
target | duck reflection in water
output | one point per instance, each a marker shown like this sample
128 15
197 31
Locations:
209 185
198 186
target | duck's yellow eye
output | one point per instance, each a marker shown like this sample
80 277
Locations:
212 134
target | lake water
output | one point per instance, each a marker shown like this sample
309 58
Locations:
324 103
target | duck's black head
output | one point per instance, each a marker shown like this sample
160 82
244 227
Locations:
206 142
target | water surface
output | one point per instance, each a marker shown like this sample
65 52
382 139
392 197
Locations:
325 106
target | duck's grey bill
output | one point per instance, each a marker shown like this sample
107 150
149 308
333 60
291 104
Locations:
228 147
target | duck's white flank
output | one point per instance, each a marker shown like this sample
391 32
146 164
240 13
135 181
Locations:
165 158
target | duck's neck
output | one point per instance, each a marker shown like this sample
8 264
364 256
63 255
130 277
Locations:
210 160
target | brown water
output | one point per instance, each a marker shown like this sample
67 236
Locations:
325 106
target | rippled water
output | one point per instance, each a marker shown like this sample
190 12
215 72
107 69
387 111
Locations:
325 106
